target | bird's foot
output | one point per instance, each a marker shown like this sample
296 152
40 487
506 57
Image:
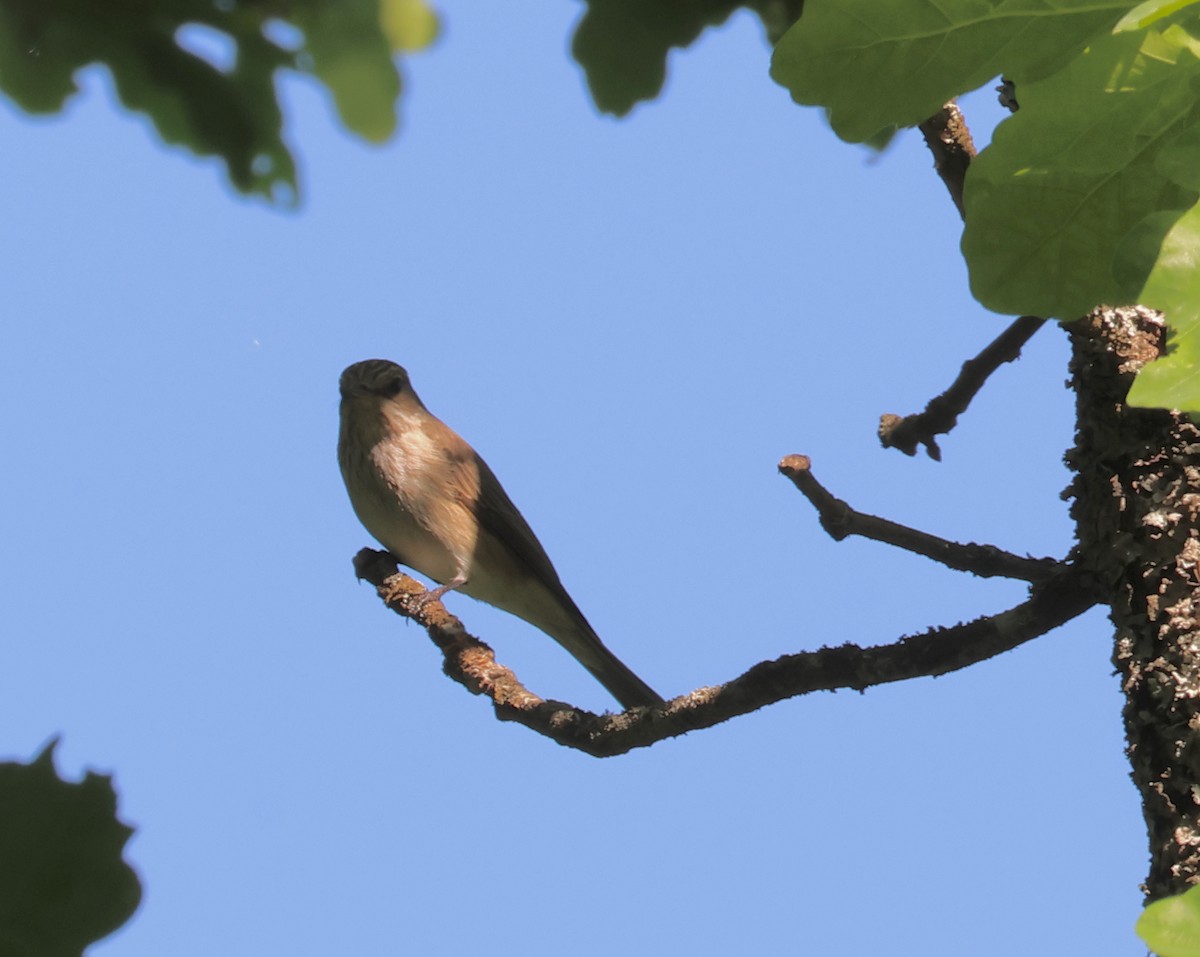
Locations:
435 594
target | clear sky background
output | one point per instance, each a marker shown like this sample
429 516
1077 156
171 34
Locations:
633 321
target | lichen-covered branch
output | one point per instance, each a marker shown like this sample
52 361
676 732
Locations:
908 432
841 521
937 651
949 140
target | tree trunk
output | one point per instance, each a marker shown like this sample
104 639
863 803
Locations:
1136 506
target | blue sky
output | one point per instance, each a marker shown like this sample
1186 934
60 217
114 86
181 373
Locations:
632 321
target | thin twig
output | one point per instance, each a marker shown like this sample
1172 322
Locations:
842 521
848 666
948 138
942 412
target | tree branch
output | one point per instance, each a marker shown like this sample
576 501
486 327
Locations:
934 652
949 140
842 521
941 414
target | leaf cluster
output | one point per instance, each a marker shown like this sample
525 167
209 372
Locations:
1088 193
224 106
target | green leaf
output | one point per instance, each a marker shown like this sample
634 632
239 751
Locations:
409 25
1150 12
1173 382
1179 160
192 102
347 51
63 883
623 45
873 65
1171 927
1076 169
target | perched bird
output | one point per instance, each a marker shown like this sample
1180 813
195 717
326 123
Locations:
432 502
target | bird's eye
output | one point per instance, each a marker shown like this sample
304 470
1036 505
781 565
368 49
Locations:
394 387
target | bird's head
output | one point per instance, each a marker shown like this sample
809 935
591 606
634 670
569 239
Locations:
381 378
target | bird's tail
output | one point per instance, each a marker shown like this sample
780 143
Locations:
587 648
547 606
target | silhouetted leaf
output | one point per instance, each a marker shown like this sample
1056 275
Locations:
63 883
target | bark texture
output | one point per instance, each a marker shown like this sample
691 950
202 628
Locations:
1136 504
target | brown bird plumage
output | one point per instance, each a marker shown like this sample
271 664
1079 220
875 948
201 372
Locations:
429 499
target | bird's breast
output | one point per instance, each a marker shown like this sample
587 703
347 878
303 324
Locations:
411 502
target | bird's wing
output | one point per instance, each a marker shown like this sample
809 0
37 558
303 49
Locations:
498 516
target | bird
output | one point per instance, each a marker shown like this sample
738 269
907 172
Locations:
425 494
